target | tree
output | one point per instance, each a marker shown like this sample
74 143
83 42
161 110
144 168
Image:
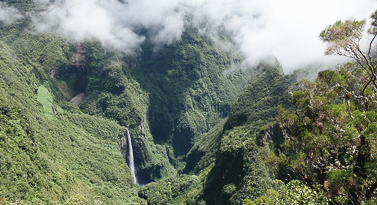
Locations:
331 138
325 146
343 39
292 193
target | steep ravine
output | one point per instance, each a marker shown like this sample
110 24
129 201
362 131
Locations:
167 99
230 160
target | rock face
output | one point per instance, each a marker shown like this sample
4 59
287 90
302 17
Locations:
272 134
78 99
79 56
123 145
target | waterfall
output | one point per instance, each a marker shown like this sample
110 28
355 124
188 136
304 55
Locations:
131 157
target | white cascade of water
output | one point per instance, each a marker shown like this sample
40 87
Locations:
131 157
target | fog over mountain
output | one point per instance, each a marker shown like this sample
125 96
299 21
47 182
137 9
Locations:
286 29
8 14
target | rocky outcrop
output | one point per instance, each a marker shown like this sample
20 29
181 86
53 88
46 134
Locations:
272 134
78 99
78 58
123 145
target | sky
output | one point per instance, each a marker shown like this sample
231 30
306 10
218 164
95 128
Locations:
286 29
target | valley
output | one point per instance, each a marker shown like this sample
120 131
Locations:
186 120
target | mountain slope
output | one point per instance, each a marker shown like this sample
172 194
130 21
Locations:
237 149
55 152
167 97
229 162
52 158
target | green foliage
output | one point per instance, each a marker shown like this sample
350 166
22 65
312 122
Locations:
164 191
46 159
77 200
170 97
331 137
22 5
257 104
248 202
204 152
229 189
292 193
343 39
373 28
238 149
342 31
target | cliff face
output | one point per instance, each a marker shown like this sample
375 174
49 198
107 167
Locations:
123 145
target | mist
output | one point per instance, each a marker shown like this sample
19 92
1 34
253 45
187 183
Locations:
8 14
286 29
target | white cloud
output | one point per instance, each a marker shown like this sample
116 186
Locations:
88 19
298 23
163 17
8 14
286 29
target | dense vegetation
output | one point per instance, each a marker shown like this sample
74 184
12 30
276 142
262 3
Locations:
201 133
169 98
51 158
54 153
330 137
229 160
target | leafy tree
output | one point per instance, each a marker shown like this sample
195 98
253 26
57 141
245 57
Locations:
292 193
343 39
331 137
331 140
168 189
77 200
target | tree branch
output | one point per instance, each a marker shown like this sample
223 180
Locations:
370 48
366 60
366 85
